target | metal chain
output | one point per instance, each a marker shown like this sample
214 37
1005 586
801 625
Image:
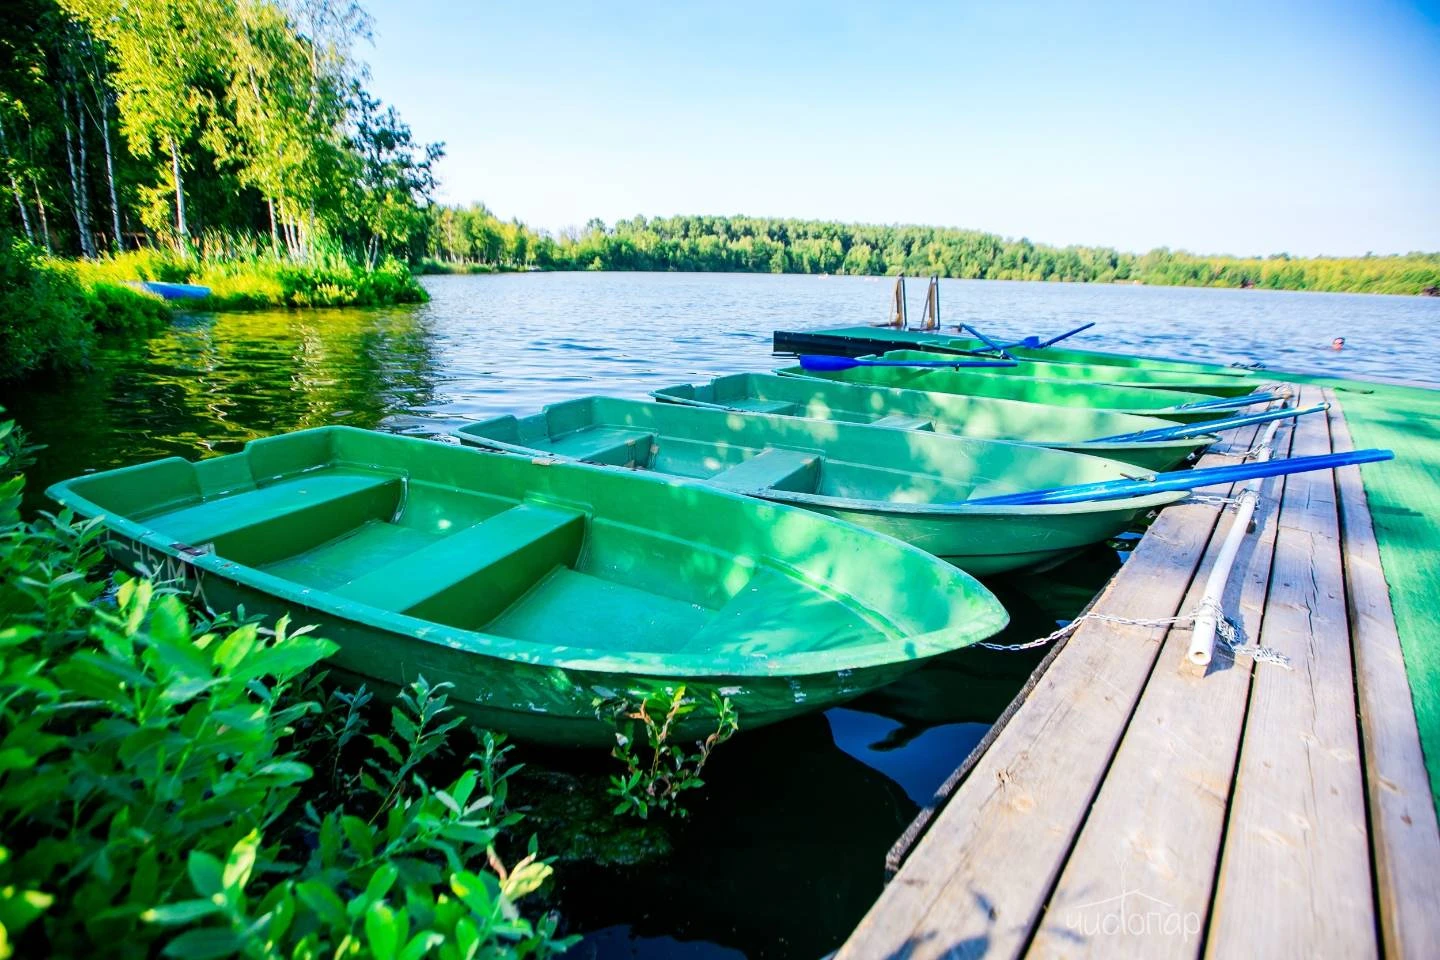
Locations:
1211 498
1229 635
1227 632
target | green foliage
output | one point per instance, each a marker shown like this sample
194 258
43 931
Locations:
243 275
143 122
671 769
43 323
159 790
473 240
50 311
762 245
115 308
17 453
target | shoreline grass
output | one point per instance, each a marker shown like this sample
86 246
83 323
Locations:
242 276
53 311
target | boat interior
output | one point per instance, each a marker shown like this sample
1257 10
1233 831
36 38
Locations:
782 454
450 536
1058 370
1135 399
907 409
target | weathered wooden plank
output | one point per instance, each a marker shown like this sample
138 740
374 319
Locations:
1294 875
1404 837
977 881
1140 880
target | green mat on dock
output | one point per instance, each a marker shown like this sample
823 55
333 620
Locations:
1404 497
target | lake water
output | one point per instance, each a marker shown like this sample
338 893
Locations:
786 846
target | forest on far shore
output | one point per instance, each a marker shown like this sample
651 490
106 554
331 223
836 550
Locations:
459 238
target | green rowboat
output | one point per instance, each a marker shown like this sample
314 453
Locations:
1098 373
908 484
538 588
856 341
1105 359
1165 404
984 418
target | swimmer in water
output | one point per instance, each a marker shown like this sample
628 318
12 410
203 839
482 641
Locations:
1337 344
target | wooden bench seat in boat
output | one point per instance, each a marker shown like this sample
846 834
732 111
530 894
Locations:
901 422
609 445
326 499
511 550
772 468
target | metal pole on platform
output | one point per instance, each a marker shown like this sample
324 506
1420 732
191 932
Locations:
1207 621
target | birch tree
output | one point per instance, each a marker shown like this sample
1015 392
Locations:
163 52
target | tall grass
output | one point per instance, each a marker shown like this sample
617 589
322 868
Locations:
52 311
243 273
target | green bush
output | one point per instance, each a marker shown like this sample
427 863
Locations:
177 787
43 314
115 308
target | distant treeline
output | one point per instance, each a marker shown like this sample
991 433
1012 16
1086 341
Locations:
462 237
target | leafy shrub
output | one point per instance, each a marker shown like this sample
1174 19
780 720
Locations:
115 308
671 769
159 789
43 325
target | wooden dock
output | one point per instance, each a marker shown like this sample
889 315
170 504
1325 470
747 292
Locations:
1133 804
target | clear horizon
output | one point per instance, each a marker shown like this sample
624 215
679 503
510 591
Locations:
1220 129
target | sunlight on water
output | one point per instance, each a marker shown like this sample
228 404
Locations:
511 343
784 851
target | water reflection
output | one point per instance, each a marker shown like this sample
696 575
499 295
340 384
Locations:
786 847
211 383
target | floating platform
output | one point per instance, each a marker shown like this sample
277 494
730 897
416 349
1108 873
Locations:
1133 804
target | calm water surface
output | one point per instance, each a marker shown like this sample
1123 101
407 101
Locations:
787 843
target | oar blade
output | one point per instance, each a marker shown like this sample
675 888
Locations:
1182 479
1186 430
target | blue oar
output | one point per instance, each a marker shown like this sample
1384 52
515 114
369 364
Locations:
819 362
1181 480
1250 399
1185 430
1032 342
1066 336
986 340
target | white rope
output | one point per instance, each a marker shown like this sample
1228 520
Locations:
1228 631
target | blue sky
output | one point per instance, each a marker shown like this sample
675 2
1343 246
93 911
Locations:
1221 128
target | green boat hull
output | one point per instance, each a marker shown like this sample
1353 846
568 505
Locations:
1062 428
855 341
909 485
538 589
1165 404
1063 355
1101 374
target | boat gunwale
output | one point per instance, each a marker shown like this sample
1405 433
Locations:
857 334
1197 442
1198 382
880 653
1159 413
955 508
